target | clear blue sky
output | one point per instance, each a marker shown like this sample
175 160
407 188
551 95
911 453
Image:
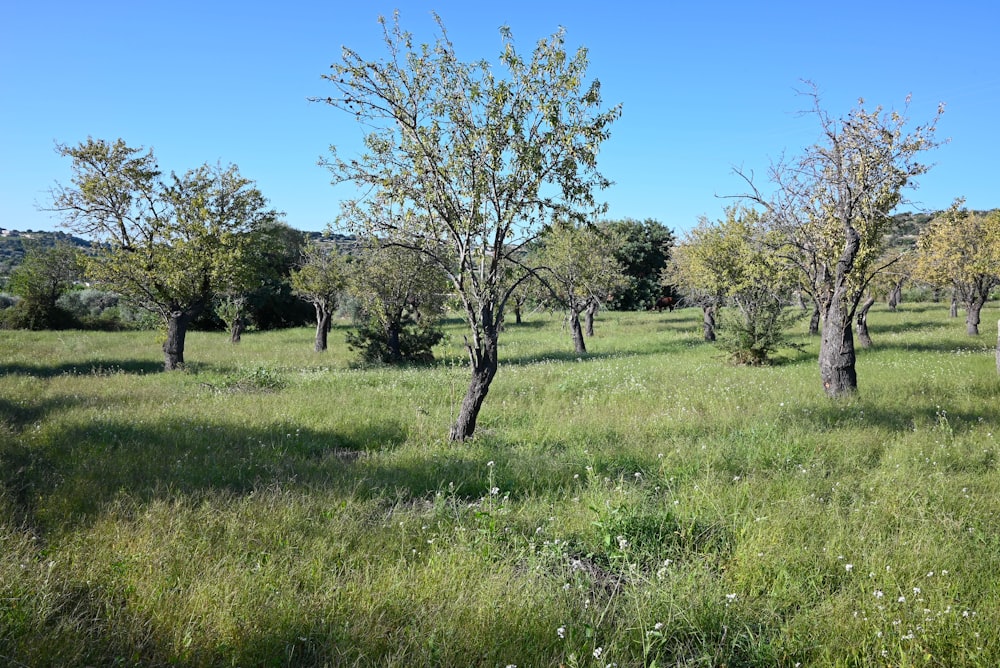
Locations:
705 86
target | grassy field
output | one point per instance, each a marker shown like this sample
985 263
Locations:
647 505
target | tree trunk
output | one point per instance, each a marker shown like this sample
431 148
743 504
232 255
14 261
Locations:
173 347
975 307
862 323
392 342
895 295
236 332
591 312
517 313
484 367
998 346
708 321
577 331
953 312
814 321
323 316
837 358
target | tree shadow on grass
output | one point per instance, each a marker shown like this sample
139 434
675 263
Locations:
96 368
72 473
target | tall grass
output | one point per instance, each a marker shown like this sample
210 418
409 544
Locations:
648 504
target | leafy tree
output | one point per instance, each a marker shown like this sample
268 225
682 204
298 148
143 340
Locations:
401 295
467 166
319 280
961 249
832 204
732 262
700 267
164 246
643 252
579 267
41 279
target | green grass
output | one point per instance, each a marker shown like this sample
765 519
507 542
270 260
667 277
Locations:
648 503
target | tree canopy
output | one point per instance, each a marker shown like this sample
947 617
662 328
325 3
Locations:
165 245
466 165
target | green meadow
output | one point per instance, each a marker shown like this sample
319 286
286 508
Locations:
648 504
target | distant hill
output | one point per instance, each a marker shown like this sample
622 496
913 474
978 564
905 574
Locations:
13 244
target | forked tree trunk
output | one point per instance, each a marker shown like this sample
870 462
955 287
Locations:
896 295
577 331
975 308
861 321
173 347
591 312
484 368
323 315
708 321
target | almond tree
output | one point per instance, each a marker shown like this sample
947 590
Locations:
166 246
832 204
319 279
579 267
466 165
962 250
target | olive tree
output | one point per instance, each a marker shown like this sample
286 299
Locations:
164 245
832 205
466 165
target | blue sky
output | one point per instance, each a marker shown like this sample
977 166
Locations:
705 86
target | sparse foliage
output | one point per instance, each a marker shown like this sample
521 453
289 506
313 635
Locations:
832 204
319 279
467 165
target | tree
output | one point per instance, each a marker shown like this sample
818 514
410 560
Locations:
44 275
319 280
732 262
700 266
163 246
962 250
579 267
644 251
466 166
832 204
401 295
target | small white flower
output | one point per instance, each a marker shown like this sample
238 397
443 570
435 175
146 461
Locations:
561 631
848 567
658 625
916 590
901 599
494 491
489 464
598 651
878 593
730 597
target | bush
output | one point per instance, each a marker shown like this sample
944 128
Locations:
415 343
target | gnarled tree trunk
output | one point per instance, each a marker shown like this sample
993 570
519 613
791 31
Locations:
323 316
953 311
577 331
173 347
708 321
998 346
592 307
484 365
236 332
861 321
975 308
814 321
836 348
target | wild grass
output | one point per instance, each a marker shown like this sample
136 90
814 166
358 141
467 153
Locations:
648 504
